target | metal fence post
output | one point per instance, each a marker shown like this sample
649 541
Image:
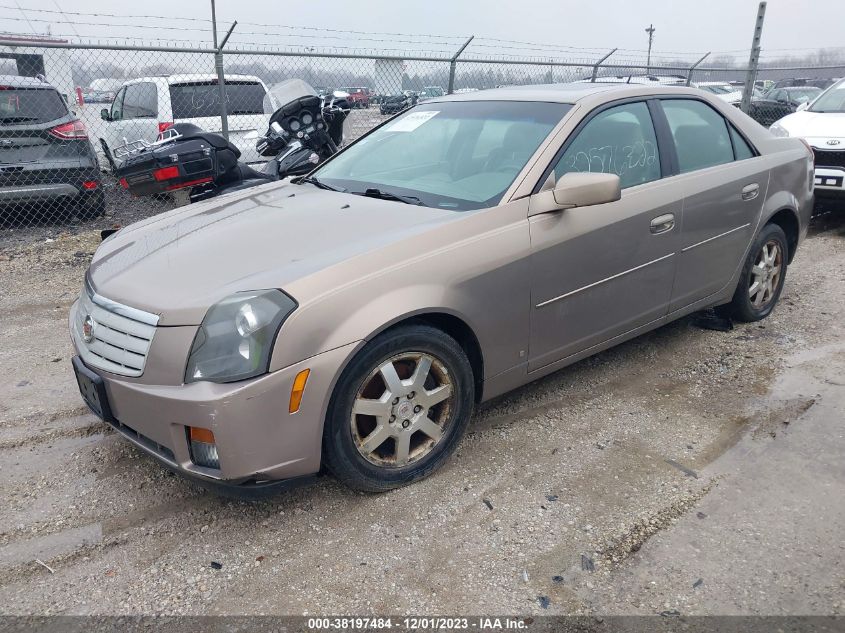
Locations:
453 64
694 66
599 63
753 60
218 67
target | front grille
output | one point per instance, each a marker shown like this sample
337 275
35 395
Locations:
826 158
121 335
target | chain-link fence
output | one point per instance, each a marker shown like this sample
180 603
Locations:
66 109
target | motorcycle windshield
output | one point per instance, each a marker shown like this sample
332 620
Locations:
284 92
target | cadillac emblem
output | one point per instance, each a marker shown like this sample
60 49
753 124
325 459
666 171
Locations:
88 325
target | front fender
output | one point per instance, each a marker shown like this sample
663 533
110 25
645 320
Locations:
476 270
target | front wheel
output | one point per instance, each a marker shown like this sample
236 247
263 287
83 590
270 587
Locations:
762 278
399 409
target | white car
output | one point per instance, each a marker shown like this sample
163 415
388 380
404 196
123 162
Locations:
723 90
146 106
822 125
643 80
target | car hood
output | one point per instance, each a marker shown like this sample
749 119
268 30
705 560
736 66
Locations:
816 127
179 263
731 97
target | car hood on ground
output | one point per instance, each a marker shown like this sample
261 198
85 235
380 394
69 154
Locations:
179 263
816 127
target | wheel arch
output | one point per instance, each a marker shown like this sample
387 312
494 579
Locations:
452 324
787 219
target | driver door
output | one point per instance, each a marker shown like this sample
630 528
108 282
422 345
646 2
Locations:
601 271
112 129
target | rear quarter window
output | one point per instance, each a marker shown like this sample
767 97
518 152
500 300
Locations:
202 99
19 106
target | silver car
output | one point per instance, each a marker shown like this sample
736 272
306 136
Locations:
351 319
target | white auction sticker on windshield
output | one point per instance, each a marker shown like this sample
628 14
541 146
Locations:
412 121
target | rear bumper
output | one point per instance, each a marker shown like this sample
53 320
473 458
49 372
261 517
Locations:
48 182
27 193
258 441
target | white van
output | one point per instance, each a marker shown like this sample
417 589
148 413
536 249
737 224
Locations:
144 107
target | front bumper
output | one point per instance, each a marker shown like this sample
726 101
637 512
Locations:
830 182
258 441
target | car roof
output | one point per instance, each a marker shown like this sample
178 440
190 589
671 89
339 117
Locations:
16 81
565 93
192 78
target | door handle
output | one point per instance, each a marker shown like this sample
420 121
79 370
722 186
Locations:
663 223
749 192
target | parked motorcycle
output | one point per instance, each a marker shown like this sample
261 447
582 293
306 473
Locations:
303 132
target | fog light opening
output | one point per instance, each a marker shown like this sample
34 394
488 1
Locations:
298 390
203 447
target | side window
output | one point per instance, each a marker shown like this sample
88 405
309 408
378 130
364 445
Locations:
700 133
117 105
141 101
742 150
619 140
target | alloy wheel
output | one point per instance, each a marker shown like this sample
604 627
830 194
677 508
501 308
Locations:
402 410
765 275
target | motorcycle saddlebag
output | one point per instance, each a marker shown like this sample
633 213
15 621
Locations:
183 163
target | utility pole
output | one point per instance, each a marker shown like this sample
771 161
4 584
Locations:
650 30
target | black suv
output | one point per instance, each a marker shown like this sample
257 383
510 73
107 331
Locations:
47 163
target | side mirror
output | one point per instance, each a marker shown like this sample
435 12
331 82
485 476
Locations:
576 189
802 106
105 115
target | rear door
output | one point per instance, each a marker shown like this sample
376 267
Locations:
724 184
198 102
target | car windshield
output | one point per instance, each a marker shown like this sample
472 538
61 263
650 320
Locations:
833 100
457 155
800 95
30 105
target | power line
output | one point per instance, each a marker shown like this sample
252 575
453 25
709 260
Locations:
24 17
107 15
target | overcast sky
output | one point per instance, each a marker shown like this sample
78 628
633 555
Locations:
681 25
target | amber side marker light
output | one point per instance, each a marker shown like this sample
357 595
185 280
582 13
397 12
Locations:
203 447
298 390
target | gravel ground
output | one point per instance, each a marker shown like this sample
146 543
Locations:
579 493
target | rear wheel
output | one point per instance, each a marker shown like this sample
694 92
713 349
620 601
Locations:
89 206
762 278
399 409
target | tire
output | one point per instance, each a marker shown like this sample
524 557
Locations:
364 450
90 207
747 305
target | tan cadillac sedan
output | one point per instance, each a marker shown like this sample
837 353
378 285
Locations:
352 319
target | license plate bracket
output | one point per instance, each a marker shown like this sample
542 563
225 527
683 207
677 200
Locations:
93 391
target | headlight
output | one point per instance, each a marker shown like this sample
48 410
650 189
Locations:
237 335
778 130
